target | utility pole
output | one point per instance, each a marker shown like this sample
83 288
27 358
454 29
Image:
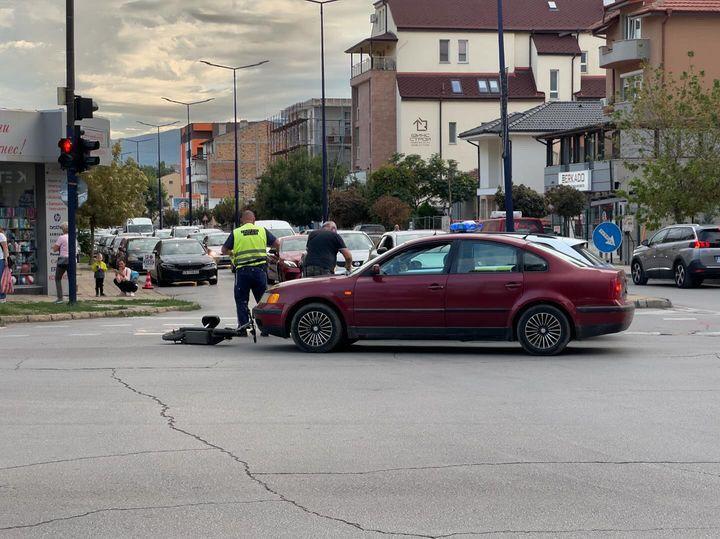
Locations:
507 155
71 174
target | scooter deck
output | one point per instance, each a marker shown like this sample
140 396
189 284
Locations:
209 334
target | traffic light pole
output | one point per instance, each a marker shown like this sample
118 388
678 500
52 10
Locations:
71 175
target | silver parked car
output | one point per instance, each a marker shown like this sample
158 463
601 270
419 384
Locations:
688 254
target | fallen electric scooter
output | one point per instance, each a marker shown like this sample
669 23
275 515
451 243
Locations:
209 334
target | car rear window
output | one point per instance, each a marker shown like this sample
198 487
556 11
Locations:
567 258
711 235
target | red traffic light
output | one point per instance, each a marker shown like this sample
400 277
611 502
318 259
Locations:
65 145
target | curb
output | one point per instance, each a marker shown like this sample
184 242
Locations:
653 303
130 312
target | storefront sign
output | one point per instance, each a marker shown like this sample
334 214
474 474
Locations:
23 136
55 215
578 179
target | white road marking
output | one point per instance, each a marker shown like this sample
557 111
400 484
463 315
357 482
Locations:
116 325
16 335
144 334
708 333
654 333
84 335
679 318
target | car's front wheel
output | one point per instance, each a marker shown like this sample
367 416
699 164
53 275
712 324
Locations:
316 328
543 330
638 273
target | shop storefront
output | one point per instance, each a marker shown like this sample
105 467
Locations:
31 209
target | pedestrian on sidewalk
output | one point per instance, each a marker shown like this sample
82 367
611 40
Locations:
99 268
61 248
4 257
123 280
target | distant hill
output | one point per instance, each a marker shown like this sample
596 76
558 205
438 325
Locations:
169 147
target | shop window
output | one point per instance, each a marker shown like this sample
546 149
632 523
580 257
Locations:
18 218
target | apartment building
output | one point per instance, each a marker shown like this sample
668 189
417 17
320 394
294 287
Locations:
192 138
299 126
430 71
657 33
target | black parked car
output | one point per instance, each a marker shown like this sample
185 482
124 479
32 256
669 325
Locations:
132 251
181 260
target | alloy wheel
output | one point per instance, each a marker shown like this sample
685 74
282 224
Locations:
543 330
315 329
680 275
636 272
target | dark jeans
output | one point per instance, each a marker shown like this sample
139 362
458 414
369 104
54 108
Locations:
126 286
99 285
316 271
247 279
60 270
2 268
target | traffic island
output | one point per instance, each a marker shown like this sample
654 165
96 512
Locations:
645 302
42 311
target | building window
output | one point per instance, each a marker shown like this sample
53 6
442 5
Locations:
444 51
494 86
452 132
456 86
482 86
554 84
631 84
552 5
583 62
463 51
633 28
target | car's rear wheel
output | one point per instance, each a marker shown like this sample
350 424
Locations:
683 279
316 328
543 330
638 273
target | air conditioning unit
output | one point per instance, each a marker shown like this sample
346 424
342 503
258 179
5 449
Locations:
373 18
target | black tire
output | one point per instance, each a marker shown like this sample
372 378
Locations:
543 330
160 280
639 276
213 281
316 328
683 279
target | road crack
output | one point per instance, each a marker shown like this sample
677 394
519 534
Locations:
94 457
171 423
123 509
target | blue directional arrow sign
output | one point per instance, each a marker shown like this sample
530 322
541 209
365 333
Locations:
607 237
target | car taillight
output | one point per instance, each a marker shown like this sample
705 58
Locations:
701 244
617 287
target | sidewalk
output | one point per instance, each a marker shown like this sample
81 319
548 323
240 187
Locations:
86 289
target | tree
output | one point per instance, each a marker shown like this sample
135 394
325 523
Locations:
224 211
115 194
525 199
291 189
171 217
446 183
151 193
674 122
391 211
348 208
566 202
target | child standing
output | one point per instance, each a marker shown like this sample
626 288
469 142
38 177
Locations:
99 268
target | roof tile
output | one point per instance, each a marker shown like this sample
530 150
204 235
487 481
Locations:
555 44
591 87
521 85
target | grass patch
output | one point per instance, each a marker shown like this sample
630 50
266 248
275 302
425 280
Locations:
43 307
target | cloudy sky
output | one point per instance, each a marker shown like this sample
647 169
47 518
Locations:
129 53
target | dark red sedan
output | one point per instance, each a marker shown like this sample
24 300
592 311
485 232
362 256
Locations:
467 287
284 264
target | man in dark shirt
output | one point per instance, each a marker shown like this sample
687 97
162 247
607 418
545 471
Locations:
322 248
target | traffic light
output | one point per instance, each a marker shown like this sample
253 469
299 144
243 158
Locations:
67 157
84 107
83 147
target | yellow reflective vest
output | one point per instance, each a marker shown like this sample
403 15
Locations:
249 242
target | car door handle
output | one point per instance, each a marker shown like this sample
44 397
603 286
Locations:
436 286
513 285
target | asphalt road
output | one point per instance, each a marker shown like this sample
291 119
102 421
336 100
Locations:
106 431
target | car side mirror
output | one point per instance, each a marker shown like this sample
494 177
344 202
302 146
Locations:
382 250
273 252
645 243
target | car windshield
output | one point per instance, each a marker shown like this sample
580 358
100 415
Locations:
575 261
215 240
145 246
140 229
711 235
294 244
281 232
182 248
357 242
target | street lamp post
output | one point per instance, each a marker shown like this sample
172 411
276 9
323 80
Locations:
160 205
137 148
324 123
189 150
507 148
237 180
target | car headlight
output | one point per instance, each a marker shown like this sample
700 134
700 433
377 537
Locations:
289 264
167 265
270 298
209 266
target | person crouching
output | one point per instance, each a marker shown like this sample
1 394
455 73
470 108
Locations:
123 280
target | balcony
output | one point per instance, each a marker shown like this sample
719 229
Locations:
624 52
374 63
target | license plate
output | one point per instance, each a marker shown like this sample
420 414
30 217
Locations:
717 259
191 272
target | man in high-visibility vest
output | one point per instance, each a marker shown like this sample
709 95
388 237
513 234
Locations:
246 247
